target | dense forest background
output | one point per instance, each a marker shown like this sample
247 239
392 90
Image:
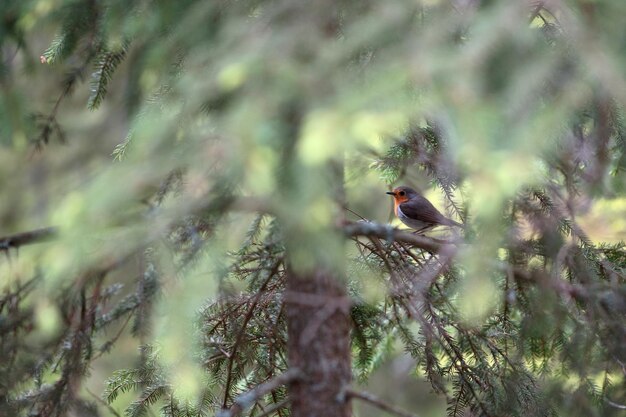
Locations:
193 219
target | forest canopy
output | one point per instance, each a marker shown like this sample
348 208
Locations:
193 218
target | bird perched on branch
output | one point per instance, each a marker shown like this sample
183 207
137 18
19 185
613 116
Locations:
416 211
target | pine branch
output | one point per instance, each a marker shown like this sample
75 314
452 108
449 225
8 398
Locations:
241 333
149 397
106 64
104 403
377 402
275 408
387 232
248 398
122 381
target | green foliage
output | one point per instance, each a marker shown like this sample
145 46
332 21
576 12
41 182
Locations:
231 177
79 23
369 333
106 64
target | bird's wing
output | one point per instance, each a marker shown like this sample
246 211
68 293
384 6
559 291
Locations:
419 208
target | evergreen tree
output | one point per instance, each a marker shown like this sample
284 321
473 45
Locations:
232 231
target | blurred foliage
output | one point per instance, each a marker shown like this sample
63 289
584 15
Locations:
187 151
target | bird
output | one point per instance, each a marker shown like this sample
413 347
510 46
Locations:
416 211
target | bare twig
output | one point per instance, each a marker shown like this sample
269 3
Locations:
614 404
107 345
275 408
248 398
345 207
104 403
377 402
26 238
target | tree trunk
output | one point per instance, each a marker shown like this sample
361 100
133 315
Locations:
318 324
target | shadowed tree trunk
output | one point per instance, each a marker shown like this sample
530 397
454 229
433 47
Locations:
318 324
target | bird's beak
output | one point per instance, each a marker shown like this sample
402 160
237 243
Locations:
390 193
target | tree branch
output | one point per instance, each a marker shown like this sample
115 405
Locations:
26 238
274 408
377 402
248 398
104 403
387 232
240 335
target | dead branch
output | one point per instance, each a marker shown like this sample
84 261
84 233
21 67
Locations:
377 402
274 408
26 238
248 398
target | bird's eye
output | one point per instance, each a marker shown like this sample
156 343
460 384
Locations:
401 193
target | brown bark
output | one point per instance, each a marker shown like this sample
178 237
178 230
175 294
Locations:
25 238
318 324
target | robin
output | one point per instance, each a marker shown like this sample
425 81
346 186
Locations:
416 211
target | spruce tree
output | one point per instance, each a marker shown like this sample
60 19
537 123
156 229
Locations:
211 177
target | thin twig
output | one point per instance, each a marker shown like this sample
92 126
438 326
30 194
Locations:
101 401
377 402
354 212
614 404
106 346
275 408
26 238
248 398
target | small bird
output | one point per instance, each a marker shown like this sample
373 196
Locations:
416 211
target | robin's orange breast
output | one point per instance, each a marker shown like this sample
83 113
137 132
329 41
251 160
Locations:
397 200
